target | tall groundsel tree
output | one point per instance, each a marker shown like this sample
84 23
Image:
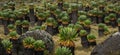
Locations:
67 36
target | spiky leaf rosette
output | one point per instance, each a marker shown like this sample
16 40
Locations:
11 3
18 22
65 19
11 26
67 33
101 26
18 13
78 27
106 28
31 5
93 12
47 13
110 7
99 13
43 27
7 44
39 45
57 12
91 37
39 9
82 18
50 21
60 27
74 6
87 22
24 11
69 10
13 35
55 24
81 13
12 16
118 20
28 42
102 3
5 15
71 25
53 7
66 5
94 4
107 19
5 6
63 51
83 32
112 16
41 16
64 13
37 27
1 14
25 22
118 9
80 5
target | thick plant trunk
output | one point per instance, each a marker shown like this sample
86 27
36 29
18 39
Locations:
119 28
25 29
99 20
28 51
13 8
102 8
60 5
39 22
74 16
53 16
59 23
88 29
15 49
84 41
92 43
4 52
113 23
39 53
87 9
27 17
6 31
70 16
0 47
118 15
1 21
5 22
56 31
100 32
19 29
50 30
32 16
94 19
11 22
107 23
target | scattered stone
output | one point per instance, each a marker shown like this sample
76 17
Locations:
110 46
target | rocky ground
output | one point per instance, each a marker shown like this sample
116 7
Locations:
78 50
